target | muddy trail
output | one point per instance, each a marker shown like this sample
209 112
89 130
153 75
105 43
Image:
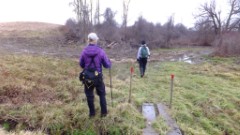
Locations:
190 55
48 40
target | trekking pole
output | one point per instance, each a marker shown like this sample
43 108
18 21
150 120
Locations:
110 74
147 66
130 91
171 90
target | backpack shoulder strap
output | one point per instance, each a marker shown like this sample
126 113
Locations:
92 61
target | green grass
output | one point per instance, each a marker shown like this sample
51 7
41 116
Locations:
44 93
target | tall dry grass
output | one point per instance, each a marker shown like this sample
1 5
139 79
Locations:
44 93
3 132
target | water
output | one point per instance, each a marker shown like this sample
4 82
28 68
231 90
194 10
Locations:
148 111
184 58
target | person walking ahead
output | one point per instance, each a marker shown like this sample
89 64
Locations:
142 57
94 57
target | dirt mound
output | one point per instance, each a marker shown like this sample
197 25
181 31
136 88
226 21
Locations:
30 37
21 26
14 30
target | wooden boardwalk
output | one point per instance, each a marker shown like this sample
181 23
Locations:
149 112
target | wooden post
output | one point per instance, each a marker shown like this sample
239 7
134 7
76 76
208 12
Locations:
110 75
130 91
171 90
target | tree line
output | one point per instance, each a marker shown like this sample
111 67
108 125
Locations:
210 29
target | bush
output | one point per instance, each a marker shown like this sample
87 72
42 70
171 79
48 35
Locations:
230 45
70 30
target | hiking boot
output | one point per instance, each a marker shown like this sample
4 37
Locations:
91 116
104 115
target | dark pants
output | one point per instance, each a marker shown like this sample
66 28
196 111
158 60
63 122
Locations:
142 65
100 89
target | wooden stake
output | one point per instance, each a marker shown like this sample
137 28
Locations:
130 91
171 90
110 74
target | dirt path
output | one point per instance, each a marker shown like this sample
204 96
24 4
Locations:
47 39
29 46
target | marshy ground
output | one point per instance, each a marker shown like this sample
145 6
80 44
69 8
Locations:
39 87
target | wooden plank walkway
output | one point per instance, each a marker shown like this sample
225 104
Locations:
149 112
174 129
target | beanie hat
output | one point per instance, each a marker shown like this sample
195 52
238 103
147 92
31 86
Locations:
143 42
93 36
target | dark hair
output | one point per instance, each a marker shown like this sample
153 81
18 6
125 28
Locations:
143 42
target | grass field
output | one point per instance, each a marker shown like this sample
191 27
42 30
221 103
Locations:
43 93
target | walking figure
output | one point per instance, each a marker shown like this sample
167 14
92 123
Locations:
91 60
142 57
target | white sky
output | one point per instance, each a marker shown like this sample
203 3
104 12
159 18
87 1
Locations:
58 11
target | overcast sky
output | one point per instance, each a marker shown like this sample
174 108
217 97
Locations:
58 11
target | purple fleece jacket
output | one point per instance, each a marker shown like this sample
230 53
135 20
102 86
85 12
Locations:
100 57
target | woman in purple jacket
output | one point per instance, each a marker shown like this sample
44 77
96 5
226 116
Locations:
94 57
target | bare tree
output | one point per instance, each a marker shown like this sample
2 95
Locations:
143 30
70 31
97 13
233 19
169 31
211 18
84 15
208 12
78 6
125 12
140 29
91 11
205 32
109 29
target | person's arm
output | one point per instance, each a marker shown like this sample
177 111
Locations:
138 54
81 61
148 52
105 60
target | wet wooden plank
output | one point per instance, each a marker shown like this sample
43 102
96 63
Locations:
148 111
174 129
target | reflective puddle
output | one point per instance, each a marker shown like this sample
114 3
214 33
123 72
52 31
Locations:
148 111
184 58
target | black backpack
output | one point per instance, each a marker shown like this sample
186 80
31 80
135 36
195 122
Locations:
90 76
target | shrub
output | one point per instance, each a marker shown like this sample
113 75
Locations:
229 46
